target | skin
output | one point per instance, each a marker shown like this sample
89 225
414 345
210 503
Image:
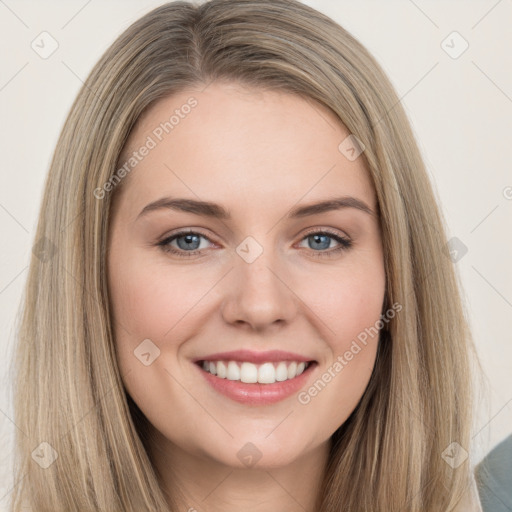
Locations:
229 150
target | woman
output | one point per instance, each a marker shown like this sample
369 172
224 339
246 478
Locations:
265 365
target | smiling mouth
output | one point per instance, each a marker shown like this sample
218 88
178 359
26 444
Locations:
250 373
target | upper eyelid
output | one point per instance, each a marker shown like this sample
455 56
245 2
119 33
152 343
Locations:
184 232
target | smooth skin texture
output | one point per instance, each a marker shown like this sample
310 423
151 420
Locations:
258 154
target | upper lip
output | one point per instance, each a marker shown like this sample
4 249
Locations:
254 357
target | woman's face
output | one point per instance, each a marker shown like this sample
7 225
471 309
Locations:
264 281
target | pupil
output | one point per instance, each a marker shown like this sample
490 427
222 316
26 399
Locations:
317 237
188 240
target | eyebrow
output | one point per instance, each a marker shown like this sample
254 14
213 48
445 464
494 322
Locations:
216 211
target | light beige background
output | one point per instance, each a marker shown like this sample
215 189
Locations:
460 108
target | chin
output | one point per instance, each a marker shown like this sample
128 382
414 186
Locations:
260 452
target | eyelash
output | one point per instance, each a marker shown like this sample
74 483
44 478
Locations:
344 242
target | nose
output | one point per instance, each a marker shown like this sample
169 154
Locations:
258 294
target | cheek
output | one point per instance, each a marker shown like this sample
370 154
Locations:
151 301
147 302
149 308
349 305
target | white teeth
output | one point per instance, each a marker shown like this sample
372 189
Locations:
221 370
248 373
292 370
266 373
281 372
233 372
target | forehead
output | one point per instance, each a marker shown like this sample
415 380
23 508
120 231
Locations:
241 145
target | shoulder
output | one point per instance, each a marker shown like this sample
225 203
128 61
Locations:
494 478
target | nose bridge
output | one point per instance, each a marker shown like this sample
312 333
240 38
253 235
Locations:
257 294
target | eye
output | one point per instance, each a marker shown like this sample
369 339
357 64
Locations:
189 243
320 240
185 240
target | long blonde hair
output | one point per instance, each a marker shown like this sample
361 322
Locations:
68 390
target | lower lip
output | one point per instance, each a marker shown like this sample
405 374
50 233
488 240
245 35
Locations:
258 394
